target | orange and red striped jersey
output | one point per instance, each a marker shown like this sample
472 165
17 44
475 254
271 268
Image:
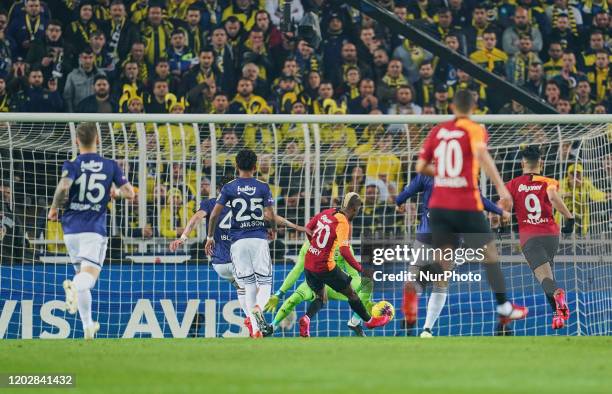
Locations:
331 230
452 147
532 207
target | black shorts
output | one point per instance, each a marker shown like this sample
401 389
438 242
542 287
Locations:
447 224
336 279
540 250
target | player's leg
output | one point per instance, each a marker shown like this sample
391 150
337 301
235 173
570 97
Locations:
262 265
226 271
301 294
245 278
88 250
539 253
317 284
363 287
414 288
436 302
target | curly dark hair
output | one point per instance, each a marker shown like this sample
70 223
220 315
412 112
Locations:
246 160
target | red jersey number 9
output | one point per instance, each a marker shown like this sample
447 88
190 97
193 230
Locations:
321 234
532 205
449 158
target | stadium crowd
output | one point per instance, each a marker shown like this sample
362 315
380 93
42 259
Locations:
241 56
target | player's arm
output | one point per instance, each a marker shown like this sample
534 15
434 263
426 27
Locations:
558 204
342 232
424 163
212 224
125 191
488 165
281 221
415 186
289 280
60 197
195 219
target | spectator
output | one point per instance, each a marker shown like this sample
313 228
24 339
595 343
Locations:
445 72
562 33
137 55
393 79
175 215
261 87
366 101
276 13
348 59
553 66
445 24
6 104
381 61
584 104
220 103
54 54
587 58
162 71
442 103
334 37
412 57
564 106
383 164
561 7
102 59
254 51
535 79
325 93
204 72
518 65
27 26
245 102
79 83
121 33
578 193
599 75
512 35
100 102
224 59
6 56
513 108
425 86
404 102
552 92
474 33
35 98
234 29
128 81
243 10
12 236
180 57
195 35
80 31
156 103
461 13
272 35
155 34
489 57
568 77
129 222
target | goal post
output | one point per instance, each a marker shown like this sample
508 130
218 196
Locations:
175 161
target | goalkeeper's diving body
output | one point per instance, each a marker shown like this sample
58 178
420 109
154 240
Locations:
453 153
363 287
413 289
331 230
221 256
534 198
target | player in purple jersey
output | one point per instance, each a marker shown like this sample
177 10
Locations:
413 289
84 190
253 222
221 256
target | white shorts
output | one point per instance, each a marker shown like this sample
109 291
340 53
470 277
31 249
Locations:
225 271
86 249
251 257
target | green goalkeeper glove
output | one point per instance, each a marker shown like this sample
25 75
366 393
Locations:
273 302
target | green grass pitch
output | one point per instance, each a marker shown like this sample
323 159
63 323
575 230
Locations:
320 365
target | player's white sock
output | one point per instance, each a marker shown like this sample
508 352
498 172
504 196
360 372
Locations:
354 321
242 301
263 294
434 307
250 297
84 281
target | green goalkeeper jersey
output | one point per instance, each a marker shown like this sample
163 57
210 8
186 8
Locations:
297 270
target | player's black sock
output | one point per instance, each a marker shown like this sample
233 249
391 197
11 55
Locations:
314 307
496 282
358 307
550 286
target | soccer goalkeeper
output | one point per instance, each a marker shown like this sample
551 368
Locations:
363 287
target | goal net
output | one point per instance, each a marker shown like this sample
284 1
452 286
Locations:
175 161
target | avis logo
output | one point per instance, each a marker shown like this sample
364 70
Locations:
93 166
248 190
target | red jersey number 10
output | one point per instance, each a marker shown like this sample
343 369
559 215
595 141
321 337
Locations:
449 158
